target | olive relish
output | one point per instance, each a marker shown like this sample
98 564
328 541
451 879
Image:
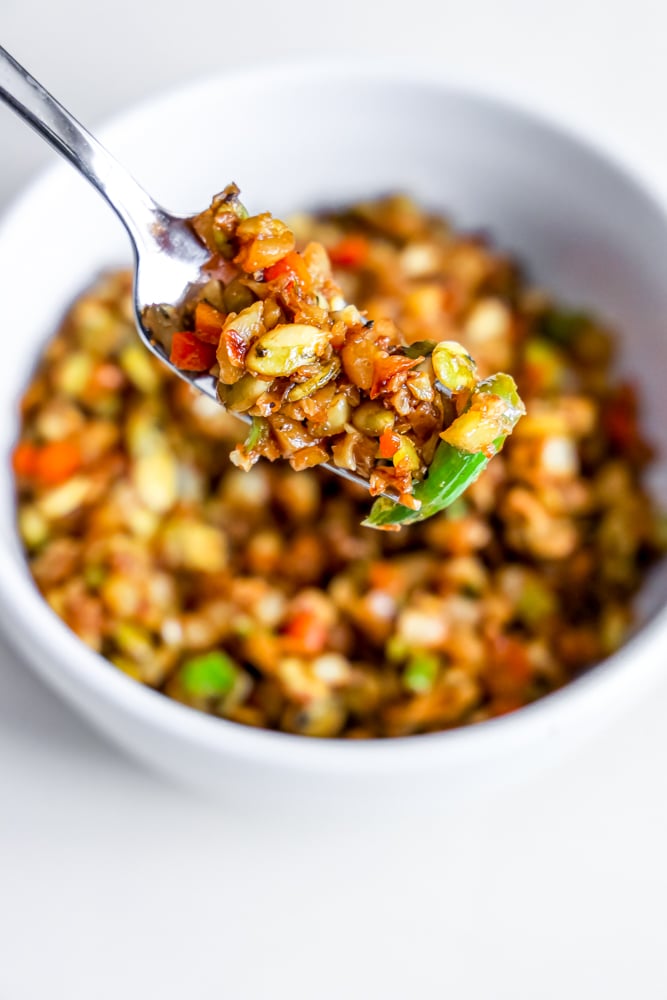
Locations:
257 596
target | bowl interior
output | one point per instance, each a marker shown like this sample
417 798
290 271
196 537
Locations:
304 138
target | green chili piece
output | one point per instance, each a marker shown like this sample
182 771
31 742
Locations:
210 675
452 471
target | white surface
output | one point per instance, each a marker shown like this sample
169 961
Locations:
114 884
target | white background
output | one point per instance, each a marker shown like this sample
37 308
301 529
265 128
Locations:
114 884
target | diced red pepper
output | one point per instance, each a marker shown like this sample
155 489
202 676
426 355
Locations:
389 443
504 704
351 251
191 354
291 266
24 459
386 576
306 633
51 463
208 323
509 670
621 422
620 427
57 461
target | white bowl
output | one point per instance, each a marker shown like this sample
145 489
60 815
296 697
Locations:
305 137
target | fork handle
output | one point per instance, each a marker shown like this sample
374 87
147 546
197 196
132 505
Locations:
134 206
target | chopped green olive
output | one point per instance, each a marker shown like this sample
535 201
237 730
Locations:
242 395
325 374
455 370
237 297
285 348
372 418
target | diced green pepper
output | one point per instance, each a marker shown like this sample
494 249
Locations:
210 675
420 672
256 434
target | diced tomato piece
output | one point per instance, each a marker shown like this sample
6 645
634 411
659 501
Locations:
191 354
24 459
351 251
389 443
291 266
208 323
620 427
306 633
57 461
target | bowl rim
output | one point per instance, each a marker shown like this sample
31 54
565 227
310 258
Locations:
24 611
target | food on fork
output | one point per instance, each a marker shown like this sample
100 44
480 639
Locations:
321 381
